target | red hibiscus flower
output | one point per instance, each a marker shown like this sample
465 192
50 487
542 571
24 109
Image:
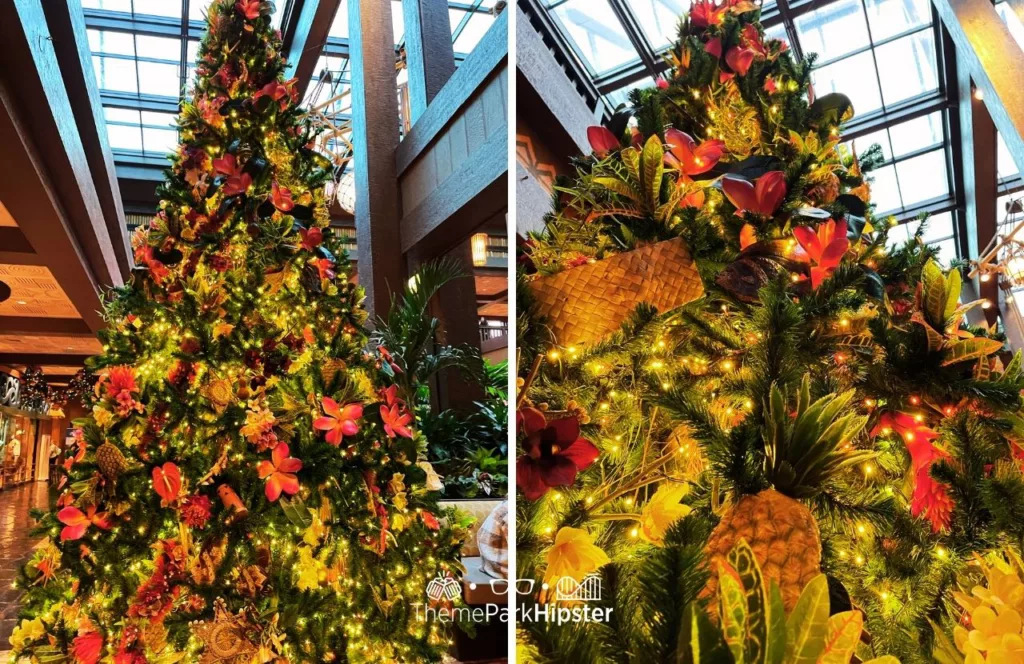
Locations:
396 421
87 648
339 421
195 511
554 452
762 199
280 92
824 248
167 483
281 197
249 8
77 522
280 473
237 182
602 141
705 13
311 238
739 59
691 159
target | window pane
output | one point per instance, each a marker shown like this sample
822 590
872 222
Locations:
891 17
1012 22
1005 165
474 31
128 115
939 227
159 79
109 41
898 235
115 74
833 31
109 5
593 28
170 8
659 19
885 194
621 96
917 134
124 138
853 76
912 67
340 26
158 141
777 31
881 137
159 120
947 251
923 178
158 48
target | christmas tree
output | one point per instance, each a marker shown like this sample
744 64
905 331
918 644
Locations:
773 417
249 485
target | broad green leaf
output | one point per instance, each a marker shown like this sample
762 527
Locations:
943 650
776 649
953 282
856 341
934 294
970 349
843 636
653 165
744 562
808 623
733 613
935 338
1013 369
631 158
296 511
700 641
616 185
982 369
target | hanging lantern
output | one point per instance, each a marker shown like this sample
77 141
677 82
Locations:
346 192
479 244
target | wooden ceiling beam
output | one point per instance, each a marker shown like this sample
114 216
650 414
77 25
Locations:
306 33
22 360
49 327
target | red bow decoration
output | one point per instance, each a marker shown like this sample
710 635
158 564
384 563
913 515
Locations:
689 158
824 248
602 141
762 198
167 483
930 499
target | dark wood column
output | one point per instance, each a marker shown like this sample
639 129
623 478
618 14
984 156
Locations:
375 139
429 55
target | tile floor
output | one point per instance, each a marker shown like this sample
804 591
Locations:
15 547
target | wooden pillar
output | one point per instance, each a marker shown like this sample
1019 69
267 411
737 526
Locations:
375 139
429 55
978 147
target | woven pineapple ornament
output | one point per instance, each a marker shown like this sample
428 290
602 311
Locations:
112 461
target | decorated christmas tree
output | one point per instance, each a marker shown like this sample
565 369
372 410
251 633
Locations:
249 485
738 410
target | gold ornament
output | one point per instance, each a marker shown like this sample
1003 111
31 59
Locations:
251 580
220 393
224 639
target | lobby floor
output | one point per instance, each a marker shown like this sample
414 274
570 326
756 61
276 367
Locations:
15 547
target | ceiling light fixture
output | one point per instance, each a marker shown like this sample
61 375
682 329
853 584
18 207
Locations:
5 292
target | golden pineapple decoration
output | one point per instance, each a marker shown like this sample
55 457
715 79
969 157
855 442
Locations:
803 452
112 461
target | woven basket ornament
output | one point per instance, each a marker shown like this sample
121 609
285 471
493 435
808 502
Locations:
587 303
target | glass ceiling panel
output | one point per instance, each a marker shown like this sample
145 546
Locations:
916 72
888 18
856 77
1005 166
659 19
596 33
469 22
834 30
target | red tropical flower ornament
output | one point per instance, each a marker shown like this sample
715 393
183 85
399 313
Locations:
282 93
237 182
824 248
602 141
279 473
705 13
76 522
689 158
281 197
249 8
554 452
167 483
386 355
762 198
739 59
311 238
87 648
338 421
396 421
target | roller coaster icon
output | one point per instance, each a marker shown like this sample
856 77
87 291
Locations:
588 590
